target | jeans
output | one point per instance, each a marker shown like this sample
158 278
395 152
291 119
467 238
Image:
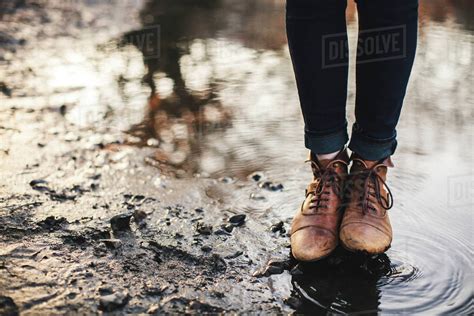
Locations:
317 38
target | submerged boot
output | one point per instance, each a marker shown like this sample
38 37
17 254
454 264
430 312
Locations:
365 225
314 228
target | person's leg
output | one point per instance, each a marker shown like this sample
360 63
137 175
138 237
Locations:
322 89
386 50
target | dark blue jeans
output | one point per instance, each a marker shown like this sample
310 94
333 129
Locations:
386 47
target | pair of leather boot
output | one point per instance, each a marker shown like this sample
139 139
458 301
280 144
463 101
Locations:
346 207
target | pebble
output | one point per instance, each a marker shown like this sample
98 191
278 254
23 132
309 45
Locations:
139 215
272 267
296 270
206 248
39 185
113 301
8 306
234 255
228 228
120 222
256 176
277 227
257 197
52 223
237 220
203 229
271 186
112 243
153 309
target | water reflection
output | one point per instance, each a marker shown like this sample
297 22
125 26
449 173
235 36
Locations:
344 283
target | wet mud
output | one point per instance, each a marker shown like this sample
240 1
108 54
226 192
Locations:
138 183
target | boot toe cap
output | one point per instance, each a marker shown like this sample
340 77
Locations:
364 237
312 243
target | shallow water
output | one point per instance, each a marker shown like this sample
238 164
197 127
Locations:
220 101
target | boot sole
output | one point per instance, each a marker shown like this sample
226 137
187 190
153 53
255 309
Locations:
365 251
314 260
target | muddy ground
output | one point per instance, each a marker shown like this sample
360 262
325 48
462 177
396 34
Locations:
88 226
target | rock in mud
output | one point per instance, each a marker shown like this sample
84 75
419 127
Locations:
203 229
257 197
237 220
139 215
8 306
296 270
120 222
234 255
113 301
206 248
256 176
40 185
278 227
228 228
112 243
272 267
270 186
293 302
52 223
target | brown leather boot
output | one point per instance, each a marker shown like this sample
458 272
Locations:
365 225
314 228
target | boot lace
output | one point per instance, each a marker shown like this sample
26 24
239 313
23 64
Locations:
326 180
370 190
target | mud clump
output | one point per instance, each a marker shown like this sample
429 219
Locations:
113 301
8 307
120 222
52 223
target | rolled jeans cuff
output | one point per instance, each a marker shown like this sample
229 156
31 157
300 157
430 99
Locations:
325 143
371 148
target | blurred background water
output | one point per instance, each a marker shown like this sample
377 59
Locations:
219 100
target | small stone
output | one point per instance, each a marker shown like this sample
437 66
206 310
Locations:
222 232
153 142
277 227
199 210
8 306
206 248
228 228
39 185
139 215
52 223
256 176
271 186
226 180
153 309
203 229
274 270
293 302
296 270
257 197
112 243
120 222
237 220
113 301
234 255
63 109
